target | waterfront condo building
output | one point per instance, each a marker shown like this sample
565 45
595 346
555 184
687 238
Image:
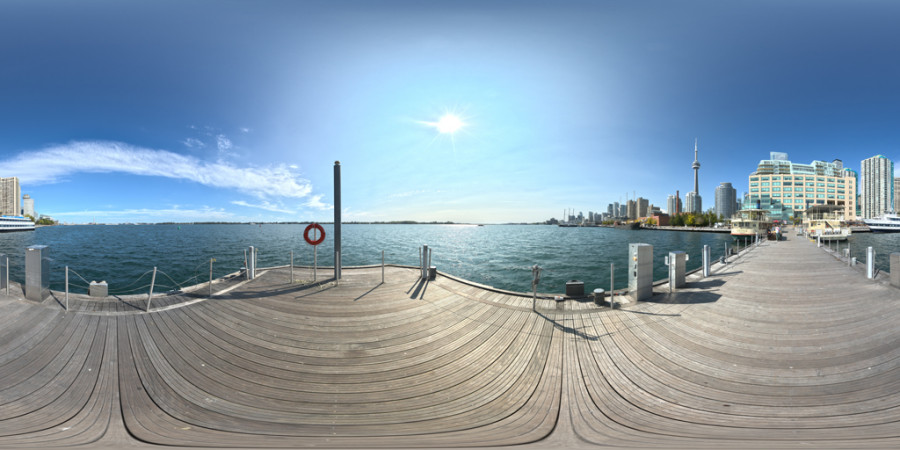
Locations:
876 186
896 197
726 200
28 206
787 189
10 195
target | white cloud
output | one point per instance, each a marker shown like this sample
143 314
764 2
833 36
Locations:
264 205
193 143
53 164
316 202
223 143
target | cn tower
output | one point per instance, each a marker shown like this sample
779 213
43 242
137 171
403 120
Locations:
696 166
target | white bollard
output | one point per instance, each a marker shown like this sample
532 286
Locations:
870 263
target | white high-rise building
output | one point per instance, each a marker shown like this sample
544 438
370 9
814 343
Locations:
876 186
10 195
28 206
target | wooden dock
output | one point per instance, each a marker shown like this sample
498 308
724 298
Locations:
785 347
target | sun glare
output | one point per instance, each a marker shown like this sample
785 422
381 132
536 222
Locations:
449 123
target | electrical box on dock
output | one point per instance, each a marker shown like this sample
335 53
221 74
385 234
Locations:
640 271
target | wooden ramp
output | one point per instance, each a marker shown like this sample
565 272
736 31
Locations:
783 348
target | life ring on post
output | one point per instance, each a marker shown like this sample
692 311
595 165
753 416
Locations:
310 227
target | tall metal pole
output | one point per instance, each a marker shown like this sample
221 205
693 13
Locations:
211 260
382 267
337 220
292 267
612 285
67 288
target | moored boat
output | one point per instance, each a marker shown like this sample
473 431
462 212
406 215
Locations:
15 223
749 223
888 223
826 223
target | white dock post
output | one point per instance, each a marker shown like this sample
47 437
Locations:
211 260
382 267
424 262
870 263
292 267
706 257
67 288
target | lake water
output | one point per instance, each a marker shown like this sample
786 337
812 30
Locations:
495 255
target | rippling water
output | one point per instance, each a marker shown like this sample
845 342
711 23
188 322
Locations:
495 255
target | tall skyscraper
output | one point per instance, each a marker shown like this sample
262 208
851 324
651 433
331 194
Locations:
896 197
673 204
643 207
877 186
631 210
10 195
28 206
693 200
725 200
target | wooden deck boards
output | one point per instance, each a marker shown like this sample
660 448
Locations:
783 348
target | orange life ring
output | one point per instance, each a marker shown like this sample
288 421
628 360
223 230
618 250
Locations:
314 226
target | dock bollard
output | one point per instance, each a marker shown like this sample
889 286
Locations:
870 263
706 257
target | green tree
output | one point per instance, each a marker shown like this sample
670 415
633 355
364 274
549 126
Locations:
690 220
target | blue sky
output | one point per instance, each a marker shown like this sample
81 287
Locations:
149 111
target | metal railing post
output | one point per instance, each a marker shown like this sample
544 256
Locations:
150 295
7 275
315 263
292 267
211 260
382 267
612 286
67 288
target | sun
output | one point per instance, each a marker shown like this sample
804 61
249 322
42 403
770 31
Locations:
449 124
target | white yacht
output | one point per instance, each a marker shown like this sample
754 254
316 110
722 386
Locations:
15 223
888 223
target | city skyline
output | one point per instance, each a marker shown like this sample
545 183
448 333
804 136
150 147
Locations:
479 112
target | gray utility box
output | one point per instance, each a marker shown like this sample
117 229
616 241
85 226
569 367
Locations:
432 272
640 271
676 269
895 269
37 272
574 288
98 289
